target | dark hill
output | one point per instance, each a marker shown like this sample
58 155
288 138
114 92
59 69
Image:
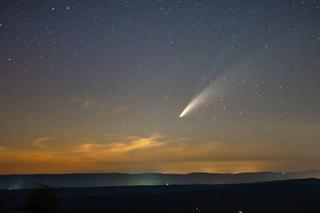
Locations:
118 179
277 196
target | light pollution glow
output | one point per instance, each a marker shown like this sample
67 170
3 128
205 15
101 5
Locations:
163 154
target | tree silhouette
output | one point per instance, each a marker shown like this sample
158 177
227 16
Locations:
41 200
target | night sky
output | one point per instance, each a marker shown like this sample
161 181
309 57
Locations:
159 86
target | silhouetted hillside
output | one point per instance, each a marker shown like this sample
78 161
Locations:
279 196
118 179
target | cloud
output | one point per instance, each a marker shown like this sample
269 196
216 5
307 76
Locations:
87 156
127 145
86 105
154 153
39 142
121 109
135 144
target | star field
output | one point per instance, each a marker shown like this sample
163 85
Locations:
99 85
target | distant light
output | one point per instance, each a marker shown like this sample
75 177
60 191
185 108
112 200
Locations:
197 209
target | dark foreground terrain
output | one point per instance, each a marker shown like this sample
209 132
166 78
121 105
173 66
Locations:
143 179
277 196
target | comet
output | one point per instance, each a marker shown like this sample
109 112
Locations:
216 87
198 100
210 94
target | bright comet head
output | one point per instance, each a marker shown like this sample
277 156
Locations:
200 99
187 109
